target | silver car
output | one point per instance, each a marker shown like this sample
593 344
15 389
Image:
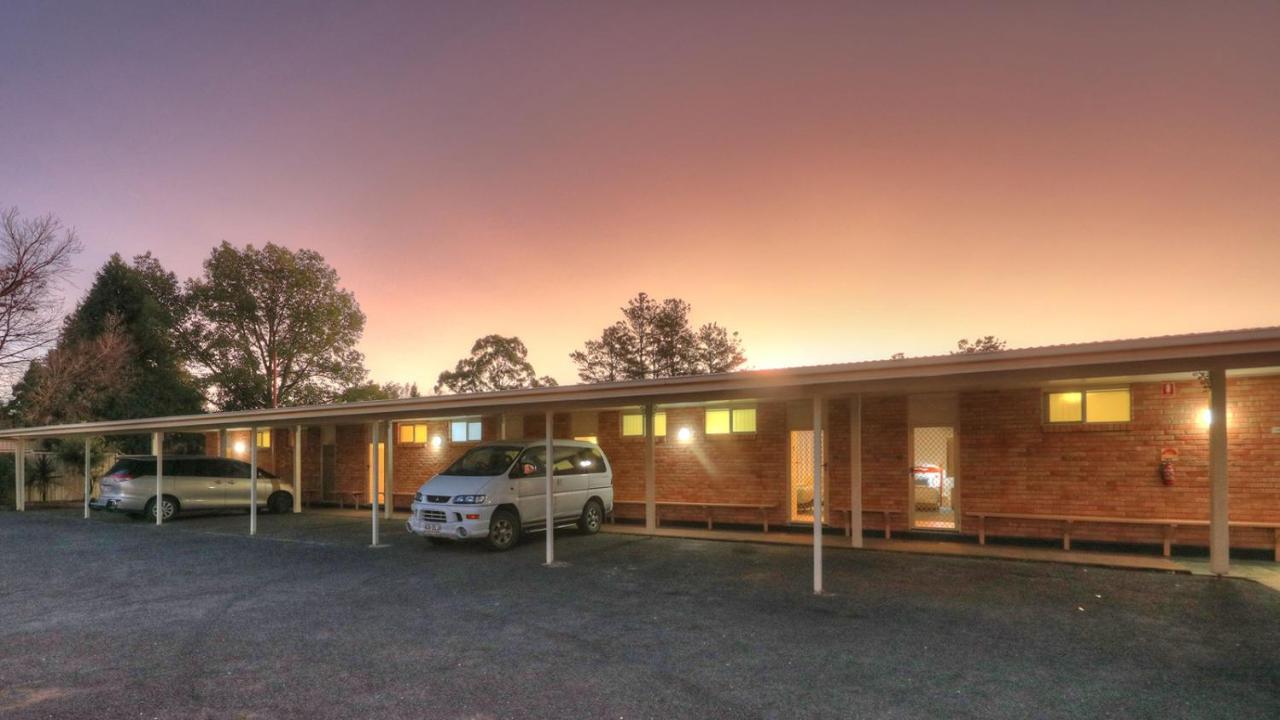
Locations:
190 484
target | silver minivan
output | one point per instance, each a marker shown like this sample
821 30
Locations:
190 484
498 490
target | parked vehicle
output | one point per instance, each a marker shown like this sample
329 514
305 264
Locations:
497 491
190 484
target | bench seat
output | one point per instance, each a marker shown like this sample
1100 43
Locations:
708 507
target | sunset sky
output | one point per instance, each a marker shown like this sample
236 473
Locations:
836 181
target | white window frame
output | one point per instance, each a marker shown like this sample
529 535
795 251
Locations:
468 425
1084 405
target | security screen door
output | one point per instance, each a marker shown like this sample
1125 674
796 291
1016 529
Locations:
802 478
933 478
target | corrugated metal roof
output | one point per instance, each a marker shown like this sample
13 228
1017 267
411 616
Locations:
1253 347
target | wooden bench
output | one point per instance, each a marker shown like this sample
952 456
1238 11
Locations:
309 496
708 507
396 495
848 519
355 496
1169 524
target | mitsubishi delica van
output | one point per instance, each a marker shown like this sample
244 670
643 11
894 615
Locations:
497 490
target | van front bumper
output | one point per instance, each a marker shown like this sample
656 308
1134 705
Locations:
449 521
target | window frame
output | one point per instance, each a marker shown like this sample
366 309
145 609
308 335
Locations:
259 435
733 426
413 433
1084 405
478 423
659 418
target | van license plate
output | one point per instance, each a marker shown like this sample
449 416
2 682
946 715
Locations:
432 529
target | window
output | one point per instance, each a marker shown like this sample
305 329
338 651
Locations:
411 433
1090 406
722 421
633 424
264 438
464 431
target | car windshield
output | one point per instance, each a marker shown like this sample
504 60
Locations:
484 461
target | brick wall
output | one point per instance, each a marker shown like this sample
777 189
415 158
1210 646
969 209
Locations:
1010 461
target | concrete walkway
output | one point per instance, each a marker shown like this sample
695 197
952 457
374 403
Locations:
922 547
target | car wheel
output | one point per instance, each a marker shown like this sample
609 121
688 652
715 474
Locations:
168 506
504 530
280 503
592 517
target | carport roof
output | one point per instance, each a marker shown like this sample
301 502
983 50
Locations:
1234 349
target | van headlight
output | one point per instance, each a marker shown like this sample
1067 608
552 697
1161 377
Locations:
419 497
469 499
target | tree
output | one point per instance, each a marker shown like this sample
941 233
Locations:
35 255
74 380
43 474
655 339
271 327
495 363
984 344
374 391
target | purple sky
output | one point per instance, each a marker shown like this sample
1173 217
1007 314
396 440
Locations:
837 181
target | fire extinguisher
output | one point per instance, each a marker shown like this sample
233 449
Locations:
1167 473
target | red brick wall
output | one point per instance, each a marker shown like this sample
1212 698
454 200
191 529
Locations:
416 463
1010 461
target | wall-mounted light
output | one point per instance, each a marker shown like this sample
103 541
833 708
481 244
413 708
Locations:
684 435
238 447
1205 417
436 442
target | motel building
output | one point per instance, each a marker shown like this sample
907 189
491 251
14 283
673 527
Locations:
1167 442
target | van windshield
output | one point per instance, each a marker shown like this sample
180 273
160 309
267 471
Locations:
484 461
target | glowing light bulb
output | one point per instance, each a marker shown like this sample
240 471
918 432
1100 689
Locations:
684 435
436 441
238 447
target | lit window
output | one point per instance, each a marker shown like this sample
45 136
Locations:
722 421
464 431
1091 406
633 424
411 433
264 438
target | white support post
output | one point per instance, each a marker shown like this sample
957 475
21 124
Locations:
551 500
1219 527
253 481
157 449
855 470
20 475
376 485
817 496
650 470
223 450
389 497
297 468
88 480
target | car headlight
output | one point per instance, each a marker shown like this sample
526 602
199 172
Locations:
468 499
418 496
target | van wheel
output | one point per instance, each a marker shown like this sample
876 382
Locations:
504 530
168 506
280 503
592 517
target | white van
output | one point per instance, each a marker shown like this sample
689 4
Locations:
498 490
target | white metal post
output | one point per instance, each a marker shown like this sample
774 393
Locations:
389 496
157 449
550 506
650 470
377 486
855 471
20 475
817 496
297 468
1219 527
253 481
87 479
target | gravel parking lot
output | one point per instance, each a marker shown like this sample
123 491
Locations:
111 618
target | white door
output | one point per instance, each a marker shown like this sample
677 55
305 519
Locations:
531 483
571 480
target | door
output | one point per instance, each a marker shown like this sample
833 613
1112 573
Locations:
802 475
382 473
933 478
201 484
235 478
531 484
571 480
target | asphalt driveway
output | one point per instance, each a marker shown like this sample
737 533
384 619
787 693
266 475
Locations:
122 619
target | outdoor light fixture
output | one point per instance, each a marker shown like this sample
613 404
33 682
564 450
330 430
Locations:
1205 417
238 447
436 441
684 435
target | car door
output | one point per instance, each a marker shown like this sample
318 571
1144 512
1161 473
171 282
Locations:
235 480
529 475
570 482
196 488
